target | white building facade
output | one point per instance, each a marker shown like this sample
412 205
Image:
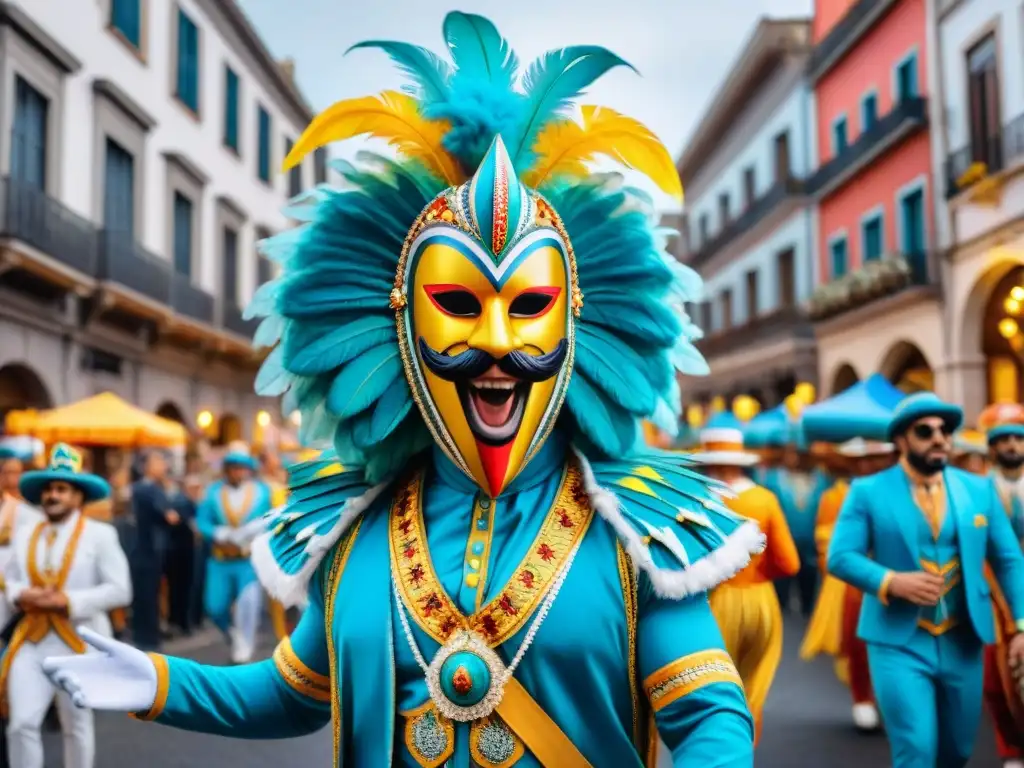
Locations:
981 74
748 224
140 146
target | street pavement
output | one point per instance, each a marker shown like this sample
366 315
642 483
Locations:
807 725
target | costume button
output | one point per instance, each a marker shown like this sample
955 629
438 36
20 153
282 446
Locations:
474 564
478 548
481 524
485 503
472 580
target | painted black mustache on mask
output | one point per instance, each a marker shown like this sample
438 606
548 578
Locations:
475 362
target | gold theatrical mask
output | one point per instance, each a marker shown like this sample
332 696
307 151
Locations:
486 310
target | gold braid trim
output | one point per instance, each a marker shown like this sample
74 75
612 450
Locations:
163 687
688 674
298 676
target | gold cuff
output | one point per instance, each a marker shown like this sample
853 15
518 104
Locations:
883 588
298 676
163 686
688 674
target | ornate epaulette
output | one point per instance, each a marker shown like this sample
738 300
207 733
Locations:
325 499
671 520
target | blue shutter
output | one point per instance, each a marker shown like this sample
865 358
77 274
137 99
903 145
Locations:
839 264
188 62
264 145
873 239
869 112
126 18
182 235
906 78
119 190
230 267
29 135
230 108
295 174
839 136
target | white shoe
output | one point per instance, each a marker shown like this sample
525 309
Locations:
865 717
1014 763
241 650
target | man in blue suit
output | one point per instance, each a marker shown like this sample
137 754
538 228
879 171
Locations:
914 539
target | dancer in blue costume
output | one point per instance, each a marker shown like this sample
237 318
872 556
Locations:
927 610
502 581
229 518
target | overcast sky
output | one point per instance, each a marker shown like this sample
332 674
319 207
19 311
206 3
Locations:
682 48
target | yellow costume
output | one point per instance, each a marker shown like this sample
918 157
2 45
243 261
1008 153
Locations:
747 607
825 630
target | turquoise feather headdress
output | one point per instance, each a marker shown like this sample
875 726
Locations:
337 356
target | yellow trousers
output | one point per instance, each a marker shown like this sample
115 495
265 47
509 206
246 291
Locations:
750 619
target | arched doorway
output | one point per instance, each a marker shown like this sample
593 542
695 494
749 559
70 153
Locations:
844 378
169 410
907 368
229 429
21 388
1002 337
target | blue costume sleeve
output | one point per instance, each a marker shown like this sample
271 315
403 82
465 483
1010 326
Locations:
282 697
206 517
693 687
1005 558
851 541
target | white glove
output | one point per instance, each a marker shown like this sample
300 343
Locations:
251 530
119 677
224 534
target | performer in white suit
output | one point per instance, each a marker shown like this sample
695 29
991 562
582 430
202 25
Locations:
66 571
14 513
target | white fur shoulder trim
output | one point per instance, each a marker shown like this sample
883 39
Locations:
291 589
718 566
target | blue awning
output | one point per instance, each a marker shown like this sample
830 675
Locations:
769 429
863 411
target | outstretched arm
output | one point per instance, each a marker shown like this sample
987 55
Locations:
285 696
692 685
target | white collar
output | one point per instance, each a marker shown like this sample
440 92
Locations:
742 484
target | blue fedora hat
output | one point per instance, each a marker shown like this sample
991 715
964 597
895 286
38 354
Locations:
1005 430
920 406
66 467
239 455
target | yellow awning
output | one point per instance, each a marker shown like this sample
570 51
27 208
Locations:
104 420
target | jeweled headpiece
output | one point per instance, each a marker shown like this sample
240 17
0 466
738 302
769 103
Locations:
487 276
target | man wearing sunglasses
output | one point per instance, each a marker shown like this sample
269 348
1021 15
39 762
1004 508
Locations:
915 539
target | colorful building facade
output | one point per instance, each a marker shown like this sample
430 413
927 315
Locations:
878 304
748 226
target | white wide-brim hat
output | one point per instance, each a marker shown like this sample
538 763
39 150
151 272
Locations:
723 447
859 448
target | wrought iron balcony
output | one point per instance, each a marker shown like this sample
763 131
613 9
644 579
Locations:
751 217
31 216
844 35
984 157
234 322
782 323
908 116
875 280
189 300
126 263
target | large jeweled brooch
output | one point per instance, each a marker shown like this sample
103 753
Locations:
466 679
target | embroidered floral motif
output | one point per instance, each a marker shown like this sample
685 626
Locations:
492 744
565 524
429 738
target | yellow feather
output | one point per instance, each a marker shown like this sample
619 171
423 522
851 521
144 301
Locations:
392 116
563 148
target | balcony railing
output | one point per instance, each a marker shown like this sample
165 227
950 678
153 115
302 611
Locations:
235 323
190 301
873 281
36 219
844 35
907 116
753 215
125 262
785 322
984 157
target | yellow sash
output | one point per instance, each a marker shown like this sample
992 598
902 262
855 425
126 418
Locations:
37 624
236 517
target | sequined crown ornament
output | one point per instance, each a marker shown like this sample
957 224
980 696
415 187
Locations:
464 292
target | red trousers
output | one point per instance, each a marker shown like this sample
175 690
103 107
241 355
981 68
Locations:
855 650
1009 743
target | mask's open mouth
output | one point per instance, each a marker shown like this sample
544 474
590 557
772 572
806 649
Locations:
494 407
